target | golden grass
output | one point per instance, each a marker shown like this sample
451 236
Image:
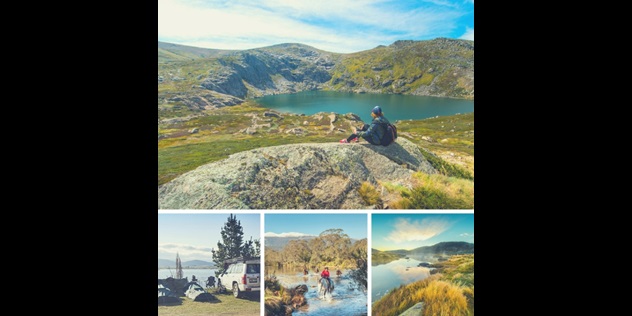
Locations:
435 191
442 294
369 194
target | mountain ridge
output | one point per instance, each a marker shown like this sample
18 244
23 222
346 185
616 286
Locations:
199 78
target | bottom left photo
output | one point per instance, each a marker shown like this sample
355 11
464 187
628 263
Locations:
209 264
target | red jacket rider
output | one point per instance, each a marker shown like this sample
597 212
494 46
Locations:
325 273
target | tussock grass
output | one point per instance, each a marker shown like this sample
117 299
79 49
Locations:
442 293
369 194
436 192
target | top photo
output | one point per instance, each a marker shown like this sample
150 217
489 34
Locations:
315 105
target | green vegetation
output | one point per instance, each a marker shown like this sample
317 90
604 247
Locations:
446 141
449 291
382 257
233 245
331 248
226 303
436 192
221 134
406 65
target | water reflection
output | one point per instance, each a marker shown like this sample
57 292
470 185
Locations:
385 277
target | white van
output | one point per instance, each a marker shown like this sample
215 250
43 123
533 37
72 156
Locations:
243 276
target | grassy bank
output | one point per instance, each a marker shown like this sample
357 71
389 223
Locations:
434 191
381 257
449 291
226 304
203 137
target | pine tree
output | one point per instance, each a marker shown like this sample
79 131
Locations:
232 244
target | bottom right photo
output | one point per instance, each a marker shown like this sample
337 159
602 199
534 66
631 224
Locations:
422 264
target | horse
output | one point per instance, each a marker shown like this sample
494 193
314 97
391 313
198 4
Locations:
325 286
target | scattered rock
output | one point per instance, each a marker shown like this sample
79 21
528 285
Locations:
194 130
272 114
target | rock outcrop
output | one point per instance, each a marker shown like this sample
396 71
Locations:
297 176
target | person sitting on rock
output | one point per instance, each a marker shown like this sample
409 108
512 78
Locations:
371 133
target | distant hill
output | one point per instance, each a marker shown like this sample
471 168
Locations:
168 52
193 79
443 248
165 263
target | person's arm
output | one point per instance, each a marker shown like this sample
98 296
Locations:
369 131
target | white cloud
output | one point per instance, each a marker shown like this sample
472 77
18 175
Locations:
468 35
341 26
290 234
407 230
466 235
186 252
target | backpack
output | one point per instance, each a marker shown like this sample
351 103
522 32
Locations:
390 134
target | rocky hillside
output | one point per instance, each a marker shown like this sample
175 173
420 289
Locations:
296 176
192 79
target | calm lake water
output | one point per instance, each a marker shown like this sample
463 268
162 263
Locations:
386 277
346 298
200 274
395 106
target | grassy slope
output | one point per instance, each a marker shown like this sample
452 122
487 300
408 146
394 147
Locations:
447 142
218 137
449 292
226 304
418 64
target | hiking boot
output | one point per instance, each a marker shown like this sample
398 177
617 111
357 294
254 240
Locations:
355 140
344 141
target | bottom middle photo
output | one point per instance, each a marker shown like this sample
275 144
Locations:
315 264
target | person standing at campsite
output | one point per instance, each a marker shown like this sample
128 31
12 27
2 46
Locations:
371 133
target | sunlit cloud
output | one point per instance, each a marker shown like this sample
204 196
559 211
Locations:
466 235
407 230
468 35
290 234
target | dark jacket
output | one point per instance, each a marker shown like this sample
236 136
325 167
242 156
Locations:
376 131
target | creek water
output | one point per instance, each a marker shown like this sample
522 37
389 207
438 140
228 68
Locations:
345 299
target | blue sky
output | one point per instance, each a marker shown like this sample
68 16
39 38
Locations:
193 235
354 225
409 231
340 26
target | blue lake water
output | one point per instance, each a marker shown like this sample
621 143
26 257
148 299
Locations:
200 274
394 106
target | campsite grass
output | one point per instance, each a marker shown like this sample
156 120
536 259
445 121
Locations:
226 304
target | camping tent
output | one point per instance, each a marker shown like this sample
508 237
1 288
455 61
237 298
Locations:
197 293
